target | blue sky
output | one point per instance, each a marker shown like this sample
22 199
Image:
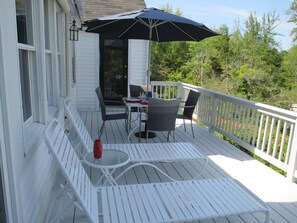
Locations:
214 13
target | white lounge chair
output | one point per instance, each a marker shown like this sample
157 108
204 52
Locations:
180 201
140 154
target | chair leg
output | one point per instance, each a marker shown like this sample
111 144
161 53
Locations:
192 129
184 124
173 135
127 127
168 135
101 129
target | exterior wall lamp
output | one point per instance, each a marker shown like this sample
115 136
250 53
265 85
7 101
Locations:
73 31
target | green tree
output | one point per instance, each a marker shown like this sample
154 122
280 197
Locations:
292 11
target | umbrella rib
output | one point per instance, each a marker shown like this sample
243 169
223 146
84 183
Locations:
105 24
126 30
152 24
183 31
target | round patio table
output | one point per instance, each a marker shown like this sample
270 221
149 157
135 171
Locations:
107 164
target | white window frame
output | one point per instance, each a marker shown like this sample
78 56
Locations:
30 49
51 80
32 79
60 18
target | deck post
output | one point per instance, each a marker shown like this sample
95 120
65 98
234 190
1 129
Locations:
291 176
213 114
180 91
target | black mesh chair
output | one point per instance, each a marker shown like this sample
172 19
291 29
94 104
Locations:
161 115
108 117
189 107
136 90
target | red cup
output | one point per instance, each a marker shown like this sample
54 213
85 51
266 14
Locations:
97 149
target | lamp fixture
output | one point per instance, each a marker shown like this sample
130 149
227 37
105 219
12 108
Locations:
73 31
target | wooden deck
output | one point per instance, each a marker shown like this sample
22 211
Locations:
224 161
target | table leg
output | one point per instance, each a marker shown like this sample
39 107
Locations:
107 176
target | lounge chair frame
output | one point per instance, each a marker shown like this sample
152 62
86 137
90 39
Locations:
140 154
180 201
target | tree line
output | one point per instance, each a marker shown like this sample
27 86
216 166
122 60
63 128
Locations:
246 62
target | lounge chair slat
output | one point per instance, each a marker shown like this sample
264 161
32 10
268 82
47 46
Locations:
174 211
132 204
148 206
126 206
156 202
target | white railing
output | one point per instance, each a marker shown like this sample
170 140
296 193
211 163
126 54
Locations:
266 131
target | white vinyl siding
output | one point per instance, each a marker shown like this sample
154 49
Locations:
87 70
137 64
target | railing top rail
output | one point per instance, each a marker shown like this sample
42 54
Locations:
165 83
255 105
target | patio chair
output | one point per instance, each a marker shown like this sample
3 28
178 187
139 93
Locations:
109 117
161 116
181 201
136 90
188 108
140 154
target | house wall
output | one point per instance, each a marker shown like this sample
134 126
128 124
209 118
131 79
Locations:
137 63
87 68
28 168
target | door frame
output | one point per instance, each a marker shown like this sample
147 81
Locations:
125 66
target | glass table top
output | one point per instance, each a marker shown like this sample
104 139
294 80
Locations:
111 158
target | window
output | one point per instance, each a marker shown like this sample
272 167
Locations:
26 56
33 77
47 25
25 84
49 54
24 22
60 37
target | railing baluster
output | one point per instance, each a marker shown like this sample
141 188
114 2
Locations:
284 132
265 134
238 111
219 113
256 129
275 148
288 152
251 127
246 124
260 131
270 136
228 118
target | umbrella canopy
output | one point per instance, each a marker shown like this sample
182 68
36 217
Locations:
150 24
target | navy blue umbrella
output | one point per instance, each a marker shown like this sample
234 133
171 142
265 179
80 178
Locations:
150 24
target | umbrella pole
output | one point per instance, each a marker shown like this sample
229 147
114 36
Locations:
149 61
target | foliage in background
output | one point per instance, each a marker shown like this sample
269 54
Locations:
246 63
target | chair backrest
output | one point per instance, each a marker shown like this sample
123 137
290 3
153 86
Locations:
78 124
135 90
101 103
162 114
190 104
72 169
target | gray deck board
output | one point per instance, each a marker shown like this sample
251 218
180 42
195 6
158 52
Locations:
224 161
